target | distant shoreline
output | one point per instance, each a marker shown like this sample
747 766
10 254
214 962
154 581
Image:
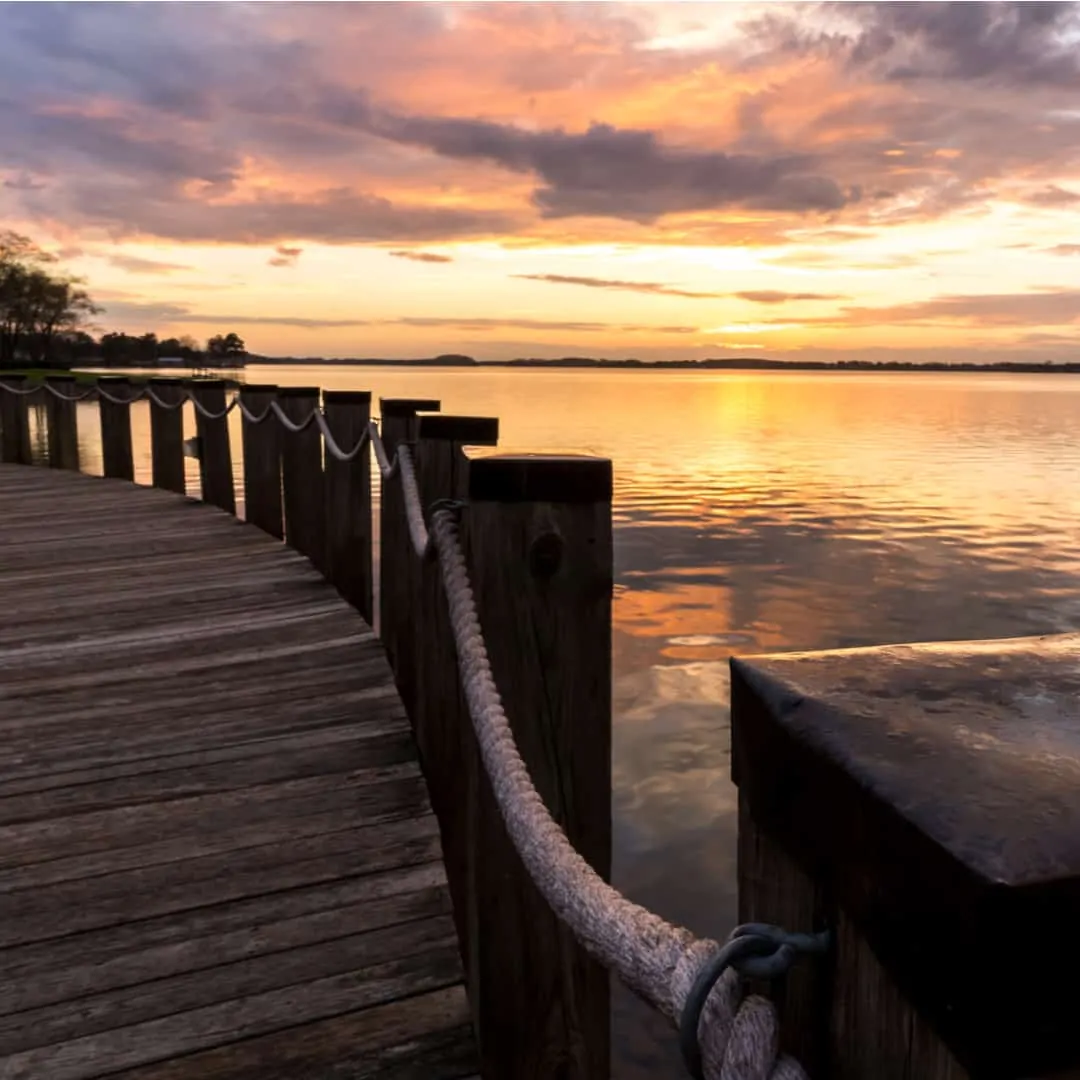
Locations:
741 364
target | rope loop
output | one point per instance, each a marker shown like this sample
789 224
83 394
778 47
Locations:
755 951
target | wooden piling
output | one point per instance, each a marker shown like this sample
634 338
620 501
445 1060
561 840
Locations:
427 659
15 445
63 433
262 461
921 802
348 499
215 454
397 424
116 455
537 534
302 475
167 435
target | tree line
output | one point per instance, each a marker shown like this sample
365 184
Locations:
46 316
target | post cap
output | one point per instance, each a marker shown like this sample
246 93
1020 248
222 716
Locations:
471 430
59 378
540 478
258 388
298 391
347 397
408 406
934 790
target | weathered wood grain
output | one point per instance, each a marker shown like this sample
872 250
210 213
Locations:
215 840
116 452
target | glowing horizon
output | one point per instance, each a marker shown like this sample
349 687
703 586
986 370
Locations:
650 180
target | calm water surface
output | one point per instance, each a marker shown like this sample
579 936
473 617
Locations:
759 512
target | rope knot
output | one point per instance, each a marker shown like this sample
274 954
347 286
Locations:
754 951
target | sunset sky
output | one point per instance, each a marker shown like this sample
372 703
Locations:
669 180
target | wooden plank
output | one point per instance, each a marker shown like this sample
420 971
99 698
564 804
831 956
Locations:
241 1018
46 972
210 822
304 761
70 907
383 939
426 1037
116 455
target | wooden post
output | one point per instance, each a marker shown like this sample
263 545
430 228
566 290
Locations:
116 455
215 454
428 659
15 448
537 534
922 802
167 435
441 473
62 422
262 461
302 476
348 499
397 424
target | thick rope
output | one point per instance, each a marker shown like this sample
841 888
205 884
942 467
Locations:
738 1038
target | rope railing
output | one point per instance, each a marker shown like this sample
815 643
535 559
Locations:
694 982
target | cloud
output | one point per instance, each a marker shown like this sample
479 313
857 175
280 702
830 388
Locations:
1064 249
1021 43
1054 196
330 216
486 323
775 296
655 287
23 182
760 296
422 256
607 171
133 264
1048 306
166 312
285 256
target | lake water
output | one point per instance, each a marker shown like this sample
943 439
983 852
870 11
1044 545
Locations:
765 512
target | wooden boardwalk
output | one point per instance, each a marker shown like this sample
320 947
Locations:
217 857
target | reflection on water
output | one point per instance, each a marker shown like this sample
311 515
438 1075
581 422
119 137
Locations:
768 512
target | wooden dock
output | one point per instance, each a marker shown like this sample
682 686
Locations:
217 854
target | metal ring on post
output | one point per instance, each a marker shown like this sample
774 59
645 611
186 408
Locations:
755 951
